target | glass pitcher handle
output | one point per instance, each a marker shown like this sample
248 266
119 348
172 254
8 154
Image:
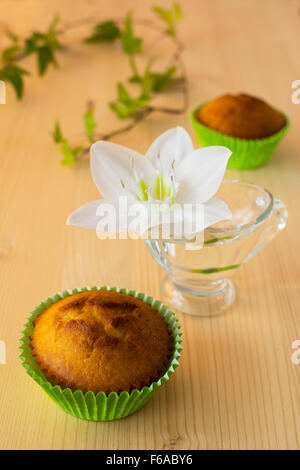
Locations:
280 213
275 222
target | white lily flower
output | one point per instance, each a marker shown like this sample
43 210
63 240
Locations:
171 173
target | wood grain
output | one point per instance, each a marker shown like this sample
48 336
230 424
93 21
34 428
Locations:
236 387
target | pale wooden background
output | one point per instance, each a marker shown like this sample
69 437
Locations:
236 386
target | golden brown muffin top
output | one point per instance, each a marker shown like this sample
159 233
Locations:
242 116
101 341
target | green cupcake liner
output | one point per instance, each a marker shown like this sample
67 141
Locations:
91 406
246 153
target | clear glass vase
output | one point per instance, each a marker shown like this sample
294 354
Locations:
198 275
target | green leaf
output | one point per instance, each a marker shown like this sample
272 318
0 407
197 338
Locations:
127 106
154 81
45 57
123 95
57 134
38 39
177 11
170 16
89 123
135 79
120 109
10 53
133 66
52 41
14 75
68 153
147 83
78 150
162 80
44 45
171 30
165 14
106 31
32 43
130 43
132 109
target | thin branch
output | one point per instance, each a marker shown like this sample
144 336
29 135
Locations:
122 130
130 126
176 58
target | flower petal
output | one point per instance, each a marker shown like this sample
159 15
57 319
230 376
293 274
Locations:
196 219
85 216
111 216
112 163
173 144
200 174
215 210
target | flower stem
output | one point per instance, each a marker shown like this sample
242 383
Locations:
215 270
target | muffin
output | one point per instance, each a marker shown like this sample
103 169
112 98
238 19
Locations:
247 125
101 341
242 116
100 353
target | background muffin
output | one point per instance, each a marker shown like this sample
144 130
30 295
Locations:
248 126
101 341
242 116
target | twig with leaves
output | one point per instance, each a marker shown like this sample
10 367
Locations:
150 82
44 45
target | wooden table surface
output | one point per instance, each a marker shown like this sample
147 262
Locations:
236 387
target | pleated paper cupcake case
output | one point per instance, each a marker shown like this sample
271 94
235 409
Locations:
246 153
99 407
